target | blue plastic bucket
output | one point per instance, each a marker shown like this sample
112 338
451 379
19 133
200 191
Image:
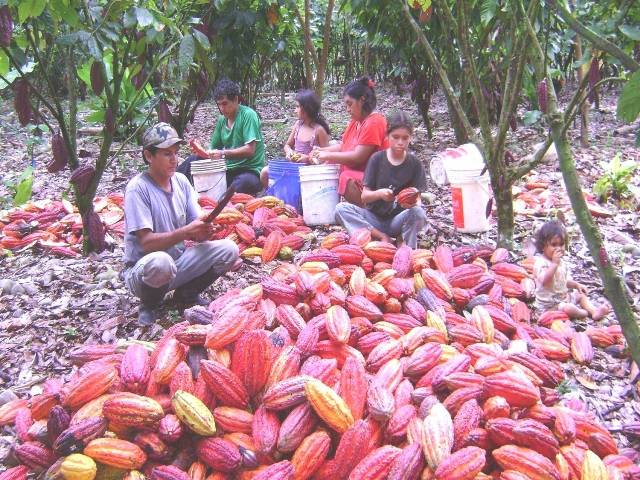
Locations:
284 182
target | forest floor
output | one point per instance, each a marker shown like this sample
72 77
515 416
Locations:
67 302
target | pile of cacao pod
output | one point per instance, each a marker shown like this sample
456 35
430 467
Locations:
56 226
264 228
362 361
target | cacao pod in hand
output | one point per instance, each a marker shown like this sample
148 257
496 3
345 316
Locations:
97 78
6 26
60 153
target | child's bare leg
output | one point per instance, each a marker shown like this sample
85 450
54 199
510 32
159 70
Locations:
597 313
572 310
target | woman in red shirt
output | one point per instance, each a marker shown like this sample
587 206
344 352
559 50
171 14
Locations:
365 135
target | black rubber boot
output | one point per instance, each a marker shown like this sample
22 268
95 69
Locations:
189 294
150 301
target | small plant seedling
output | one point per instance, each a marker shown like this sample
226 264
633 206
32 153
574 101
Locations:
70 332
615 180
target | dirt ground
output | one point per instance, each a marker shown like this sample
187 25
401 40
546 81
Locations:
67 302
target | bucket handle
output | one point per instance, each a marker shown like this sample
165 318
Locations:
489 206
214 186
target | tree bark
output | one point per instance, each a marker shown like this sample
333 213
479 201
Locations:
613 286
324 54
584 109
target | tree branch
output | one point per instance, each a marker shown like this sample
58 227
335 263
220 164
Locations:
598 41
442 75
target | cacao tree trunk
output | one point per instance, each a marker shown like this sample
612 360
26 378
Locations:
613 285
324 54
584 109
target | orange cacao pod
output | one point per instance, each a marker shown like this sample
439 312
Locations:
225 384
311 453
116 453
131 410
88 386
527 461
515 387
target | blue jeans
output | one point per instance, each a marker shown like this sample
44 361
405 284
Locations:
407 223
244 181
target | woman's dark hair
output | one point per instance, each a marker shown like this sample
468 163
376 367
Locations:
549 230
226 88
397 120
310 103
362 88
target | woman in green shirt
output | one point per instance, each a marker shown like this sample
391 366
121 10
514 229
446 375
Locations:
237 139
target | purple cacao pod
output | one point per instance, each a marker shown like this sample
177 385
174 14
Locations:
60 153
21 101
96 231
97 78
109 121
594 77
542 95
6 26
81 177
164 114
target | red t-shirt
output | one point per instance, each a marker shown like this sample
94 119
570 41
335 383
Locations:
371 131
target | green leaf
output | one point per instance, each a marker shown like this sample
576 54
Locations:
24 188
202 39
488 10
144 17
187 51
30 8
631 31
629 101
531 117
4 63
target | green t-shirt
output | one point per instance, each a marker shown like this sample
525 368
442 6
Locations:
246 129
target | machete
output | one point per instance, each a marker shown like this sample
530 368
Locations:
221 204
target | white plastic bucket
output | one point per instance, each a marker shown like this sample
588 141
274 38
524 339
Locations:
209 178
466 158
470 196
319 190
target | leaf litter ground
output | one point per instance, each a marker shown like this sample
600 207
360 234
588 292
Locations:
67 302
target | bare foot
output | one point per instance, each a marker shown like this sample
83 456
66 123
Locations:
601 312
573 311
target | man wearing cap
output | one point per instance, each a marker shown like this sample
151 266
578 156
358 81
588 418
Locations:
161 212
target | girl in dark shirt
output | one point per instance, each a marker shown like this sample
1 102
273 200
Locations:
387 173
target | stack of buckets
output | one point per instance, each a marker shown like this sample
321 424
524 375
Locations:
464 169
312 188
209 177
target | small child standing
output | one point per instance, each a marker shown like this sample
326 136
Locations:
387 173
310 130
553 281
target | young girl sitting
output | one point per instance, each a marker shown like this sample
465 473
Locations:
388 172
310 130
553 280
